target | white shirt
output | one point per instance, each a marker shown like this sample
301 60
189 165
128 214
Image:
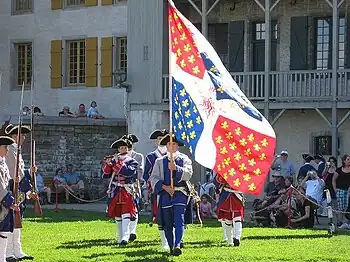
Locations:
314 189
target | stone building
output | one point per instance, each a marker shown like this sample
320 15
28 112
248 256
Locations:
71 50
302 86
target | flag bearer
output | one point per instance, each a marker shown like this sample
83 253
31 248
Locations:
172 200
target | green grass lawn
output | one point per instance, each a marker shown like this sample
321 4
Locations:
89 236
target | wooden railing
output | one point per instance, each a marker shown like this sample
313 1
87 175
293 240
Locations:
309 85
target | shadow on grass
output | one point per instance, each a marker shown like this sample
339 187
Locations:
137 255
87 243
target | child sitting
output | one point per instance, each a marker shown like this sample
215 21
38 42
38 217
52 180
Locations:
93 112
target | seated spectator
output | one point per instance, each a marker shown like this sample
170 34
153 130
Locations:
81 111
74 182
37 111
313 186
273 188
306 209
205 207
42 188
66 113
60 183
26 111
93 111
281 209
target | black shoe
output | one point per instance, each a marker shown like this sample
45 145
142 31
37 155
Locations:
132 237
177 251
11 259
236 242
181 245
25 258
171 252
123 243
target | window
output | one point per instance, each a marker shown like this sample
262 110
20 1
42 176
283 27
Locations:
76 62
324 43
323 145
23 63
22 6
259 32
122 55
75 2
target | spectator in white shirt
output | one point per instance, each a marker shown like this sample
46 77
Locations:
314 186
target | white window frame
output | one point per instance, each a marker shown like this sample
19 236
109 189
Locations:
16 85
116 54
67 5
16 11
66 68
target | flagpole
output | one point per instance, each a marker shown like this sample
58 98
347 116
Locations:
170 105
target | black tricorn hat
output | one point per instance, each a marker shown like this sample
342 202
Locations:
120 142
13 130
131 137
319 157
166 139
157 133
308 157
6 141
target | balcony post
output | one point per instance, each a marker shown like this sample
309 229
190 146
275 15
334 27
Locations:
335 65
205 18
267 58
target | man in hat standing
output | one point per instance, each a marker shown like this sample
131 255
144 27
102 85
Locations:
7 201
121 192
140 160
306 167
149 164
173 199
14 246
230 211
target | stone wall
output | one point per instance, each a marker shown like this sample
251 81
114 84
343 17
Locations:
80 142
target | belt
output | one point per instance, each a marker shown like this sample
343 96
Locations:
130 188
238 194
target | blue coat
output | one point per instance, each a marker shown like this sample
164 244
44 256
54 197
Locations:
149 163
161 176
6 199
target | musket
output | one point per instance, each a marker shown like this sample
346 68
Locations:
17 218
37 207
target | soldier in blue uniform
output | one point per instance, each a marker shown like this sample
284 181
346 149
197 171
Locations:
149 163
14 247
7 201
122 170
172 200
138 157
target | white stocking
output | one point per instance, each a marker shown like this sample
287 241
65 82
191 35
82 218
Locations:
238 228
126 227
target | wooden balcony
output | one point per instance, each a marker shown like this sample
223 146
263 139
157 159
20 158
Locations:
292 89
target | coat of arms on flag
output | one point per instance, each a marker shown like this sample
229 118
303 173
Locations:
211 115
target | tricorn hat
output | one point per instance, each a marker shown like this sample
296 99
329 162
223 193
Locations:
308 157
131 137
157 133
166 139
13 130
319 157
120 142
6 141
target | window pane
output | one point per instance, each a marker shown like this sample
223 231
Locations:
24 63
122 59
76 62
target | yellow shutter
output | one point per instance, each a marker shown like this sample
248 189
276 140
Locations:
56 64
91 62
106 61
91 2
56 4
107 2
